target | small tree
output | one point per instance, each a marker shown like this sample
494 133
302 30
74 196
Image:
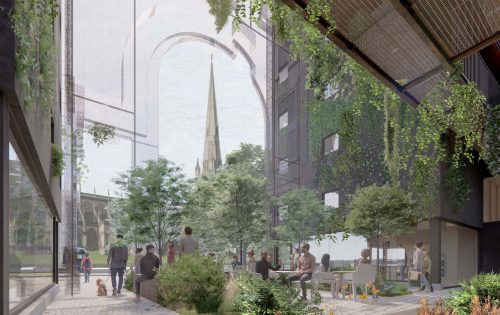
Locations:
381 211
154 198
302 215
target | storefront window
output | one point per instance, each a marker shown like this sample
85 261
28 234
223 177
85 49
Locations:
30 235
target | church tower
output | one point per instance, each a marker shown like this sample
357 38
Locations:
211 157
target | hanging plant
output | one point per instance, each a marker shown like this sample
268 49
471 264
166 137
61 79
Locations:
491 141
57 161
36 56
101 133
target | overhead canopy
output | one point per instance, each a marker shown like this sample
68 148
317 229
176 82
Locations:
408 43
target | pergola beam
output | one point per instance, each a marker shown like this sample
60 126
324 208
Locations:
354 52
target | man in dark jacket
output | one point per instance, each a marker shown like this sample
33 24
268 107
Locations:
149 266
263 266
117 262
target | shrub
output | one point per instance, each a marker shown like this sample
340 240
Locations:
484 286
128 283
193 281
258 297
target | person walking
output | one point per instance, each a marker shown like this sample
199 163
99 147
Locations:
149 266
426 272
418 260
87 266
188 244
307 264
117 262
325 263
170 253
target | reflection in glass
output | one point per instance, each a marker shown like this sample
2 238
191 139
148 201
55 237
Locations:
30 235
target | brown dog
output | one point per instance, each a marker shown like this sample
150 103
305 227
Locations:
101 288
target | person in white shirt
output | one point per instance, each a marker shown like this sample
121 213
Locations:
187 244
418 259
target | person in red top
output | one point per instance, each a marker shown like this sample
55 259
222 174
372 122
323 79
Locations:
87 266
170 253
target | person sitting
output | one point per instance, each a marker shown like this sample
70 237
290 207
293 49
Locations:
325 263
263 266
307 264
251 261
365 254
149 266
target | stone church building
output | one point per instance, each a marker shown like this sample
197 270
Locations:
94 224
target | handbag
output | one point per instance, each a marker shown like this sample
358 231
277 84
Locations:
413 275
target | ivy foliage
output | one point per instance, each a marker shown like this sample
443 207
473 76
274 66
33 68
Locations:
57 161
36 60
491 141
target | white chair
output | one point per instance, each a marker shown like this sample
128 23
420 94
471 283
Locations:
365 273
324 277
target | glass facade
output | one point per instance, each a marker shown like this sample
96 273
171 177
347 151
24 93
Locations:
30 235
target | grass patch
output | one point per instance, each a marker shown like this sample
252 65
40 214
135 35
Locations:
99 260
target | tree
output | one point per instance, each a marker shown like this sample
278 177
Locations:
303 216
381 211
154 198
228 208
240 212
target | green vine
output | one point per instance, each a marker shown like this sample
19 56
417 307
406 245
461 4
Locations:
491 140
57 161
36 60
101 133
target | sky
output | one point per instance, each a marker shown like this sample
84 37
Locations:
184 81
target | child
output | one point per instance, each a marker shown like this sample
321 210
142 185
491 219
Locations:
87 266
426 272
170 253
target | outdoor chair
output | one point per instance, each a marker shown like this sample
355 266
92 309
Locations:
365 273
324 277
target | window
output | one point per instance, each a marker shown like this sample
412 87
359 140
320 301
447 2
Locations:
331 143
332 199
283 167
283 120
283 75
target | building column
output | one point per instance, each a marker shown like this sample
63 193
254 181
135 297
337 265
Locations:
435 251
4 199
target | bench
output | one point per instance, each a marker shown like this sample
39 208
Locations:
149 290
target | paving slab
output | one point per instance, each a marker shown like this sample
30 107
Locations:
87 302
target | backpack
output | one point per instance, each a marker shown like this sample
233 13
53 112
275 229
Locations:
86 264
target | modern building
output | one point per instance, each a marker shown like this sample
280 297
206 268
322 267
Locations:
30 185
406 45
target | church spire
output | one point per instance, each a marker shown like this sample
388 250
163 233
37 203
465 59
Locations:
211 156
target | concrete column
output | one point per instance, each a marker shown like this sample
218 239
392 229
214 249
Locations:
435 251
4 199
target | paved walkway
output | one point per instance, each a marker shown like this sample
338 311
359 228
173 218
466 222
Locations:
398 305
87 302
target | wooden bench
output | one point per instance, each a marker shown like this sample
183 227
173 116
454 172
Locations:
149 290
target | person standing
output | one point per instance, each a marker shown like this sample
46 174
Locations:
187 244
137 259
170 253
117 262
149 266
87 266
307 264
251 261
